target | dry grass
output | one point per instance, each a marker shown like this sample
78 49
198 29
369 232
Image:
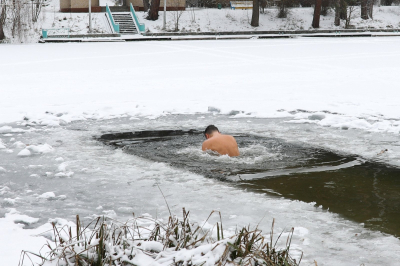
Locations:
106 241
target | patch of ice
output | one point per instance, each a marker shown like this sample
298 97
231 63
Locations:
126 209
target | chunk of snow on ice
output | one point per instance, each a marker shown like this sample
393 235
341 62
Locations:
24 153
99 208
59 159
16 217
34 175
35 166
40 149
62 167
62 197
2 169
5 129
2 145
49 173
63 174
4 190
12 139
47 195
300 231
8 135
9 151
110 213
18 145
233 216
9 201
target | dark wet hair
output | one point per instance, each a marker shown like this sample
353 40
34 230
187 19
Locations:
210 129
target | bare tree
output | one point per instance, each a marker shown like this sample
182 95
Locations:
153 12
350 12
255 17
263 5
317 13
283 8
36 9
177 13
3 17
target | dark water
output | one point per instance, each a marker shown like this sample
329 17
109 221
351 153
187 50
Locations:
361 191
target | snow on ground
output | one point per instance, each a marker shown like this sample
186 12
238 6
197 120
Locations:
214 20
331 84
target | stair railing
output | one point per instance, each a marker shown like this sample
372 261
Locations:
140 26
114 25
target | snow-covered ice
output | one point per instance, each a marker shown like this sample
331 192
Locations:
331 93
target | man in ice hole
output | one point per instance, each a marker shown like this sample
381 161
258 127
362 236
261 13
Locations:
223 144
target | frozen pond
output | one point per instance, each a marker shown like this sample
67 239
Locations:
333 185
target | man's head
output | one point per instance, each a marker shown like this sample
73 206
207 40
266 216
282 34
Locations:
210 130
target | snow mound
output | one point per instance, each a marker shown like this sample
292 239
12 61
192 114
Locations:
59 159
47 195
18 145
16 217
5 129
2 145
24 153
40 149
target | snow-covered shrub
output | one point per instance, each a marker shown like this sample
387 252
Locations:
147 241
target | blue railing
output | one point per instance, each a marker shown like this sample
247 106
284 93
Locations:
114 25
61 32
141 26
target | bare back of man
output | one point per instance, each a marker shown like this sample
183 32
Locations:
223 144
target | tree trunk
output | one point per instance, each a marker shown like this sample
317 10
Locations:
2 36
343 9
370 8
317 13
337 13
364 13
146 5
256 13
153 12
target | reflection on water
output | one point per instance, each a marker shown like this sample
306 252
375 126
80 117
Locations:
365 192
